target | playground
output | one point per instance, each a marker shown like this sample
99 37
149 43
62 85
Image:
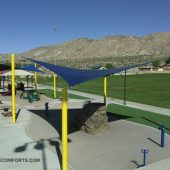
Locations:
120 146
135 137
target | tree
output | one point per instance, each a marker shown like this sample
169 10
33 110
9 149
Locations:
156 63
167 61
109 65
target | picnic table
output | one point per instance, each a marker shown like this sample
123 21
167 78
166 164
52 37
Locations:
31 95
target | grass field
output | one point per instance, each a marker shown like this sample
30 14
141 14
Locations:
152 89
139 116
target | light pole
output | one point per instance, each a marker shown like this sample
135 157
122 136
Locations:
55 31
54 76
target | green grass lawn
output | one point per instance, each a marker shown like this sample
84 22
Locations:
49 81
139 116
49 93
152 89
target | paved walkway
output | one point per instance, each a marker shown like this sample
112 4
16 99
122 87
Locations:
161 165
40 104
118 148
145 107
17 144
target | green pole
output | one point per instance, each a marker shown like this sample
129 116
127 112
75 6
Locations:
125 88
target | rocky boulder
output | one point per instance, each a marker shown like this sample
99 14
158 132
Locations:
92 118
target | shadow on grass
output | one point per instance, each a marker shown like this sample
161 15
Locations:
155 123
114 116
50 95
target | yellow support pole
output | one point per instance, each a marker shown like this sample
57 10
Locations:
64 130
35 75
55 93
105 89
13 87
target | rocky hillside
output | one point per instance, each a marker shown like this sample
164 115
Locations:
120 50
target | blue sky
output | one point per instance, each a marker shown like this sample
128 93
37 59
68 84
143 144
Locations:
27 24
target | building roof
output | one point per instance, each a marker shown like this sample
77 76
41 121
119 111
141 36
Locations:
17 73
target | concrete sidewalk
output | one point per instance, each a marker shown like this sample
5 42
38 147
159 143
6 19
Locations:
16 145
161 165
115 149
119 148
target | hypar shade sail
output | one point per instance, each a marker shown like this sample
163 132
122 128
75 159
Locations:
76 76
30 68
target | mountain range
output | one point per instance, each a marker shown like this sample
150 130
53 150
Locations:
117 50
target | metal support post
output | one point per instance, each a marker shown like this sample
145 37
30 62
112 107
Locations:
162 128
105 89
64 130
144 151
13 87
125 88
55 93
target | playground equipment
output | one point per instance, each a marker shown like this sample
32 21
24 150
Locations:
144 151
46 109
162 128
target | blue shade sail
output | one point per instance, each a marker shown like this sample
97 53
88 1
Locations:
30 68
76 76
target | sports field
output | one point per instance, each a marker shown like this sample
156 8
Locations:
151 89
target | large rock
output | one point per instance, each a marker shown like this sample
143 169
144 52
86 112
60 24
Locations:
92 118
